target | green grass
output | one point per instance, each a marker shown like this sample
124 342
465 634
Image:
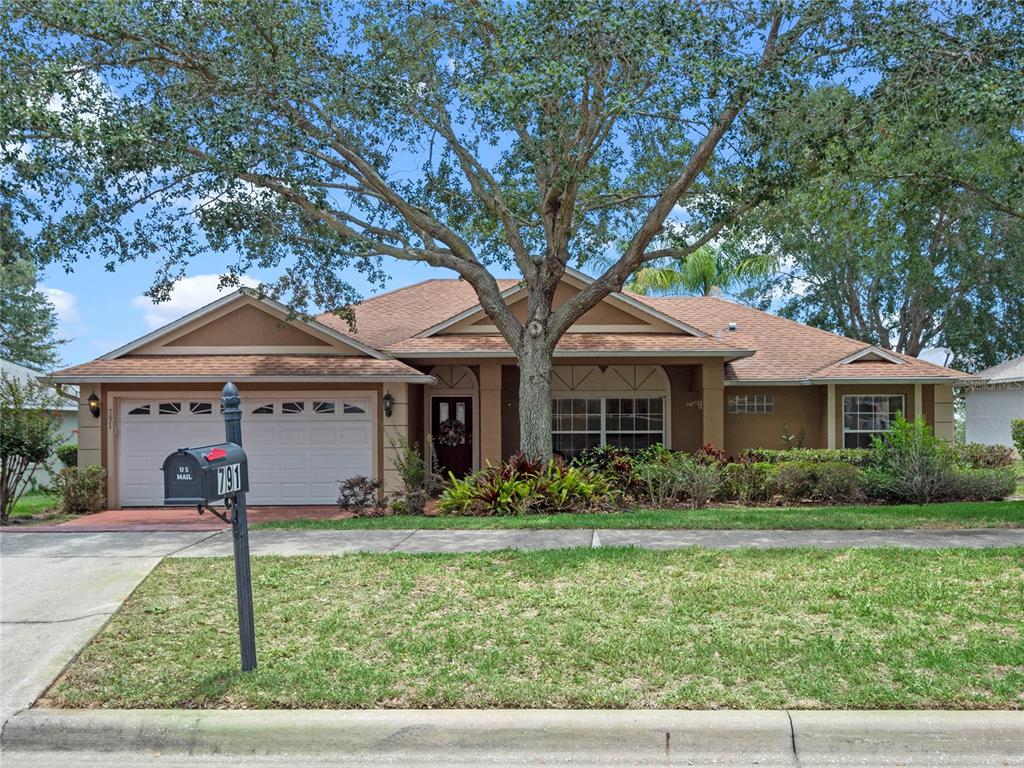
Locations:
992 514
37 503
574 628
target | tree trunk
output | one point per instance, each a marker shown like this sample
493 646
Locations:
535 358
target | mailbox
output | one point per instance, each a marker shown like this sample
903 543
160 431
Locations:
200 476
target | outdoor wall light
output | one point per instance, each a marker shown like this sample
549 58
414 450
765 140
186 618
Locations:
389 404
94 404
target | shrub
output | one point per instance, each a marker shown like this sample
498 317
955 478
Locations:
1017 433
359 494
837 481
616 464
661 475
708 454
979 456
982 484
910 464
701 481
522 486
795 480
81 489
667 477
858 457
748 482
68 454
420 480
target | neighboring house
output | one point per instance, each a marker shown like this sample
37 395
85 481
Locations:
67 405
993 401
633 371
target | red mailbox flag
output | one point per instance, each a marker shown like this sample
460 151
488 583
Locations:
216 453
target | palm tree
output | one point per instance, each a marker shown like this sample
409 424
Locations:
710 270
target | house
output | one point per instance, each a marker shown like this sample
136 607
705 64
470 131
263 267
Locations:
67 404
323 401
993 401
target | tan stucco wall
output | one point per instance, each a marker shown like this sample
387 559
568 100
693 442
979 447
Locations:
796 409
394 429
604 313
684 383
713 404
90 428
490 412
247 326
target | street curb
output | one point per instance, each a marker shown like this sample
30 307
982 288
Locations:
767 737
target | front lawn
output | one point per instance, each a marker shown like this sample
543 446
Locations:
37 507
578 628
982 514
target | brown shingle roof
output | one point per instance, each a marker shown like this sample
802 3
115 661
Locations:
172 367
785 349
571 343
402 313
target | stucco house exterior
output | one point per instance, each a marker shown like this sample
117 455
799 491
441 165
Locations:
993 400
323 401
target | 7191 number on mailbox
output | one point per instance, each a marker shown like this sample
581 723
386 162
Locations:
229 479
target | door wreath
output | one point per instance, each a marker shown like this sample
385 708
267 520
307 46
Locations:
451 432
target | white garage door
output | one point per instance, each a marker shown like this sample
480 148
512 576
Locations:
299 448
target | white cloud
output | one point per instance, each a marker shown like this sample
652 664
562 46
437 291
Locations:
189 293
65 302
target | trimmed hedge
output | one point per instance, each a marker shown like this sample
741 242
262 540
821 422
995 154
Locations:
858 457
979 456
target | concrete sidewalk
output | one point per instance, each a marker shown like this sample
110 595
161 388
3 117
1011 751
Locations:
537 737
330 542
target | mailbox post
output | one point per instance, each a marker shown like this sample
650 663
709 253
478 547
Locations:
240 535
201 476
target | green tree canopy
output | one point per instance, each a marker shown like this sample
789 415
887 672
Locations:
28 320
917 240
324 136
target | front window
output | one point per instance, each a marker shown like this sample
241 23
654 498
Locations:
867 415
578 423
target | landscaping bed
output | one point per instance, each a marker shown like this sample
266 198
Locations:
578 628
984 514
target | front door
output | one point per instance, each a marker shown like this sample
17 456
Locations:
451 425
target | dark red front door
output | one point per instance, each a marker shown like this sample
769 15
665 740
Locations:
451 424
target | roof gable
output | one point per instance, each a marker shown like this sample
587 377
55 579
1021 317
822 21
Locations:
871 354
616 313
243 324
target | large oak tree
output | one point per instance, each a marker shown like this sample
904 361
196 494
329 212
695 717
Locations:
327 137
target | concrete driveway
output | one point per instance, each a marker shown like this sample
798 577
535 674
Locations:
57 591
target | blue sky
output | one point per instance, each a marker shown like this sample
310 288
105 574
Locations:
99 310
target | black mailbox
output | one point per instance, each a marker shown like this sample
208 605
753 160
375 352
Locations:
199 476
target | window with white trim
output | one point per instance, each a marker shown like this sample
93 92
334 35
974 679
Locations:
867 415
747 404
578 423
